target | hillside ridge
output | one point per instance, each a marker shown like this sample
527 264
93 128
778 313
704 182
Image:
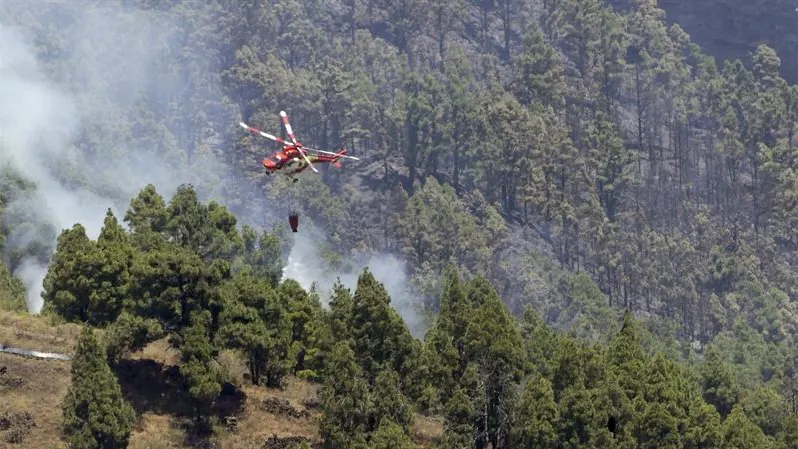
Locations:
33 388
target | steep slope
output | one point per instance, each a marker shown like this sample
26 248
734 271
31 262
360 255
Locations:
32 390
732 29
657 183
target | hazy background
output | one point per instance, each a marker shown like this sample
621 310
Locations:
87 146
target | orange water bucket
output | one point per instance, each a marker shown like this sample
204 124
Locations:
293 220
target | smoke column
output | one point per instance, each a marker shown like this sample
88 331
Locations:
28 104
108 62
306 265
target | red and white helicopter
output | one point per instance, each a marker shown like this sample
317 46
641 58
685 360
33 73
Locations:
294 158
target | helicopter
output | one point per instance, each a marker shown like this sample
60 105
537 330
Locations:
294 158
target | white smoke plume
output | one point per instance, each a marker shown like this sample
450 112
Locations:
109 59
28 104
306 265
40 118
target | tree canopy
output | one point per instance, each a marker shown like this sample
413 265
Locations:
598 214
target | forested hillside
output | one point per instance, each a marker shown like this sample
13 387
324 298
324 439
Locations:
185 276
574 161
733 29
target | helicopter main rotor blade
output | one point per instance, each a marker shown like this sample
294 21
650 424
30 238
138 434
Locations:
331 153
288 128
254 130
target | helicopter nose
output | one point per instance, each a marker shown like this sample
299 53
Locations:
268 163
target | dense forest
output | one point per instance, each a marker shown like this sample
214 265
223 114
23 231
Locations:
596 215
733 29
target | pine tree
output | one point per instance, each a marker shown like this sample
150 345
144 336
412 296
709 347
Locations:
719 385
255 321
147 218
96 415
626 358
740 432
538 412
72 287
390 435
460 415
381 338
345 399
388 401
303 309
201 374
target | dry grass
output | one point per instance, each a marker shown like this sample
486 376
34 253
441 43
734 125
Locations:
427 430
256 425
148 379
37 332
157 432
35 387
158 351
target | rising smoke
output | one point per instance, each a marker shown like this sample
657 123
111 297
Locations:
109 60
306 265
29 104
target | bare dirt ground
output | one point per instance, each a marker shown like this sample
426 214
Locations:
251 417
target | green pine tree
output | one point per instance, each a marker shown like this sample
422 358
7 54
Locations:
538 413
96 415
346 401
